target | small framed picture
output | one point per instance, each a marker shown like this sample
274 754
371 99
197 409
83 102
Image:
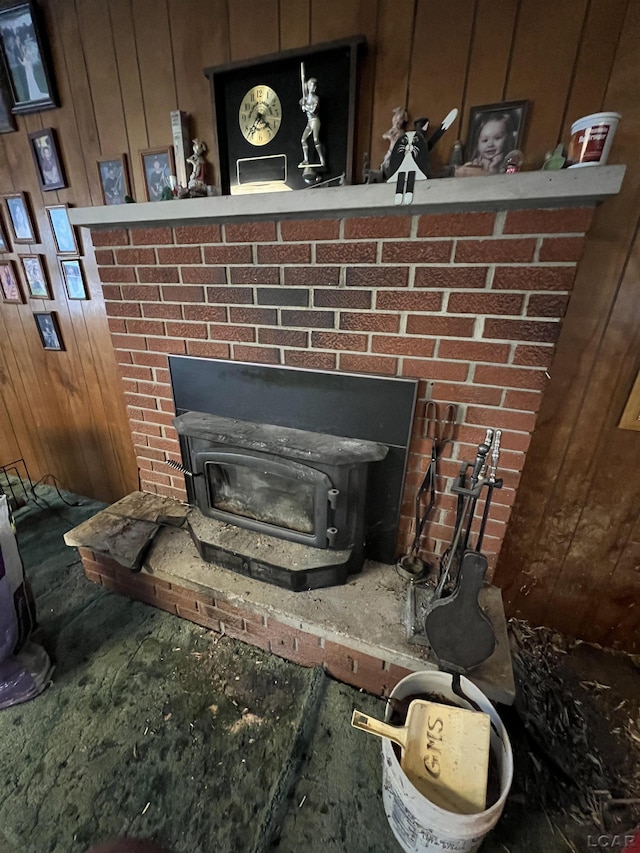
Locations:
73 276
157 166
35 275
7 121
9 283
25 60
47 159
4 245
114 179
495 130
49 330
18 210
62 230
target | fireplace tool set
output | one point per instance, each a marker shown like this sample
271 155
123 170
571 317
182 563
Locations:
449 619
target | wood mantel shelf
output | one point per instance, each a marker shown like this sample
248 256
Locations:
549 189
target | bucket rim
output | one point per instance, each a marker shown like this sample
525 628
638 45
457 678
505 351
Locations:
596 118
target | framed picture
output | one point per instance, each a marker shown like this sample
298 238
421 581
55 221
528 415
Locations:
157 166
73 276
114 179
49 330
18 210
62 230
494 131
35 275
4 244
9 283
7 121
47 159
25 60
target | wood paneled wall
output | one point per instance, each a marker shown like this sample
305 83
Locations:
571 559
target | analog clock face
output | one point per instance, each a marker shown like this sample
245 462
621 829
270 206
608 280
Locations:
260 115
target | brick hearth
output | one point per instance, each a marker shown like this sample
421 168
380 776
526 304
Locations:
470 303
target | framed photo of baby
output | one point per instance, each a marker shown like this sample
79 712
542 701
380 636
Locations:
495 130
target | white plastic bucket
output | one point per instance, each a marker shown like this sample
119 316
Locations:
591 138
418 824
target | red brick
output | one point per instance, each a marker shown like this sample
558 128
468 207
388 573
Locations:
564 221
474 351
480 394
168 345
160 275
443 278
401 345
494 251
135 256
249 232
231 333
449 371
230 295
312 276
124 274
180 255
204 275
183 293
129 342
372 227
112 291
104 257
521 330
528 401
141 293
281 253
533 278
163 376
510 377
368 364
341 299
208 349
533 356
145 327
547 305
187 330
561 249
164 444
198 234
408 301
122 309
308 319
424 252
155 389
227 254
369 322
160 309
346 253
261 355
254 316
455 327
155 236
283 337
338 341
456 225
310 229
206 313
380 277
132 371
311 360
113 237
160 418
116 326
255 275
485 303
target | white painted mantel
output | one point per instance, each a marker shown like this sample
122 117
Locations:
574 187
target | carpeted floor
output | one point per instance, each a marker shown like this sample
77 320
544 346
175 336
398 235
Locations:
156 728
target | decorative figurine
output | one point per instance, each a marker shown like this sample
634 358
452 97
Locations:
554 159
399 120
310 104
197 186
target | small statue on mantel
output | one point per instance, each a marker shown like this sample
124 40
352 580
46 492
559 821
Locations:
197 185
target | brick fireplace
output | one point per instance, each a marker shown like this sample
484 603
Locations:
470 302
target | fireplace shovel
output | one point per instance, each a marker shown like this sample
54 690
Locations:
445 752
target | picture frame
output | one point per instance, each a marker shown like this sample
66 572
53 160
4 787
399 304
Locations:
7 120
64 235
20 218
495 130
157 166
113 174
26 60
35 275
4 243
73 277
49 330
47 161
9 283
